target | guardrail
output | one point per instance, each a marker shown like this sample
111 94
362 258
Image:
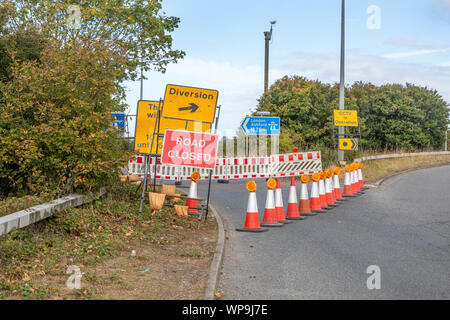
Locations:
40 212
401 155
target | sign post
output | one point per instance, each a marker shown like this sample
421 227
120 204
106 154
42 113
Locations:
184 108
342 119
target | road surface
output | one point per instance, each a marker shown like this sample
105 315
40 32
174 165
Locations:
402 227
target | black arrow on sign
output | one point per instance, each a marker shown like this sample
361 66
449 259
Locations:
192 106
353 144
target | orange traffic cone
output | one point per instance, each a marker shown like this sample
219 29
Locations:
304 205
355 183
252 217
292 208
329 189
191 200
279 206
336 184
322 192
360 177
270 216
314 201
348 192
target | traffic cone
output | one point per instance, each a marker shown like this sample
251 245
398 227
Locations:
304 205
191 200
329 189
348 192
358 182
270 215
355 183
322 192
336 184
292 208
279 206
314 201
360 177
252 216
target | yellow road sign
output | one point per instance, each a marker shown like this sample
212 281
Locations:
348 144
147 112
345 118
189 103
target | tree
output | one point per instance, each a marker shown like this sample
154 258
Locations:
392 116
135 29
58 86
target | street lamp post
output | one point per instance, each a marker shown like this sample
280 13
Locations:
341 130
267 37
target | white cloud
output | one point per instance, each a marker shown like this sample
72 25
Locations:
240 87
360 67
406 54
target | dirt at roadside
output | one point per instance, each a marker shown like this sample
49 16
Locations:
172 258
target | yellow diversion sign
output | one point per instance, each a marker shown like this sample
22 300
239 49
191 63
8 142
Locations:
189 103
345 118
146 116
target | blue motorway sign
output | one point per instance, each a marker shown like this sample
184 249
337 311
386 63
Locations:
261 125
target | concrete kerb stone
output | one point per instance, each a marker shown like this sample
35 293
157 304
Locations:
216 263
40 212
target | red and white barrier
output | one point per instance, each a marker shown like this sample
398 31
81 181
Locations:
282 165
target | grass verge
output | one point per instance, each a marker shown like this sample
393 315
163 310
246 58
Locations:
374 170
172 257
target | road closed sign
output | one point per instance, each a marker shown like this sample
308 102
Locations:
192 149
346 118
189 103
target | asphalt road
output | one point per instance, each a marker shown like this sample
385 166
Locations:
403 227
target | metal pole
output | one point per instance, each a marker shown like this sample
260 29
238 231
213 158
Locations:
142 84
341 130
210 171
446 133
144 186
266 62
267 37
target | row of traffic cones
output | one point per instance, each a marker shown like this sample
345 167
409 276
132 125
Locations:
325 194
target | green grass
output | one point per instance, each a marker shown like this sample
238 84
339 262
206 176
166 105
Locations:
14 204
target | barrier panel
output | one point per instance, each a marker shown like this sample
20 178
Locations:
281 165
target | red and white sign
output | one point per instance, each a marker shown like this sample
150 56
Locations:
192 149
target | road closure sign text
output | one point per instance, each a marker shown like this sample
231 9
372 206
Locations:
192 149
345 118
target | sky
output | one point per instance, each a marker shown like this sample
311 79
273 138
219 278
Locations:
387 41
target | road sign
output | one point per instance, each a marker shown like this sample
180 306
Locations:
261 125
348 144
119 120
193 149
188 103
147 112
345 118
